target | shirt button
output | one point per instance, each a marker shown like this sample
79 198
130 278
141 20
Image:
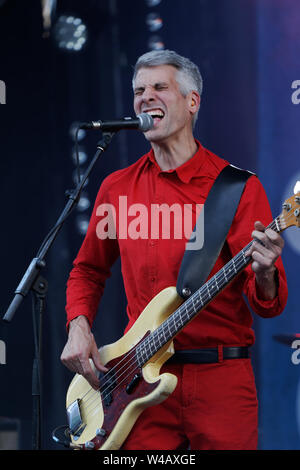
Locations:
152 279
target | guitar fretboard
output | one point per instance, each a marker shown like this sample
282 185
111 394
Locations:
195 303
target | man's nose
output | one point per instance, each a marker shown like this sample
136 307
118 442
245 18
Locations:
148 95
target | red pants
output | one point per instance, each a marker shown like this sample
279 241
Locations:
214 407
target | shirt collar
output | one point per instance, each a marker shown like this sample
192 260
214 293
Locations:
188 169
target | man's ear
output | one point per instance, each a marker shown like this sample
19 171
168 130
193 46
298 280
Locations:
194 101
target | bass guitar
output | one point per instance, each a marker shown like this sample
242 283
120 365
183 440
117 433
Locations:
102 419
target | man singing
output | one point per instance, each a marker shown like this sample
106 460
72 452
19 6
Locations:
214 405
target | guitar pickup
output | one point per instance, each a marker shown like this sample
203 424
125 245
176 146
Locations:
107 385
133 383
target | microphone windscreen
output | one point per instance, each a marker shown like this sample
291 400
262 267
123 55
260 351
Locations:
146 122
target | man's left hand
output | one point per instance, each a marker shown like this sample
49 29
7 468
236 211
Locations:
264 258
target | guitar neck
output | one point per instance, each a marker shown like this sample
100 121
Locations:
196 302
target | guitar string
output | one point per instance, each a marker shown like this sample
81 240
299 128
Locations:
150 339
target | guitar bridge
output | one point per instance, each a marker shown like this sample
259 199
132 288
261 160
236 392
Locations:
76 425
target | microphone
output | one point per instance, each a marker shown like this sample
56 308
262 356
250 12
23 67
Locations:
143 122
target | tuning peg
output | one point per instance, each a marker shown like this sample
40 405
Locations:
287 206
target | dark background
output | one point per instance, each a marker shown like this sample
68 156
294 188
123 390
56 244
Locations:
248 54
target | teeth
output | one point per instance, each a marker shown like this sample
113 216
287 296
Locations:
155 112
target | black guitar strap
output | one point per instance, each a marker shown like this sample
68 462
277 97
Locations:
219 210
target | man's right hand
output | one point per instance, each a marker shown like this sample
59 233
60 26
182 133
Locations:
81 347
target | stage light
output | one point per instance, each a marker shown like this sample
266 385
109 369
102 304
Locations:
152 3
84 202
154 21
82 156
155 43
70 33
82 223
48 13
73 129
75 177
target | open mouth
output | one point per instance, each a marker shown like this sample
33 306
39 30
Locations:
156 114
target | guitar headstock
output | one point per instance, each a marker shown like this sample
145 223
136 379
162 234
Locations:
290 214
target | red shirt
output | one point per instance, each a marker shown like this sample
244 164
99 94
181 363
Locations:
151 263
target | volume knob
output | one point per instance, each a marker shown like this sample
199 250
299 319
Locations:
89 445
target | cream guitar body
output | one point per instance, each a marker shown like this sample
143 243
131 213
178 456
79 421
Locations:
103 419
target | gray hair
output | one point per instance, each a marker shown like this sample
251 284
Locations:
188 75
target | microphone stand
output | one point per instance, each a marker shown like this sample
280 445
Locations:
34 282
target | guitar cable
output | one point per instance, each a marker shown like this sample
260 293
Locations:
64 443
